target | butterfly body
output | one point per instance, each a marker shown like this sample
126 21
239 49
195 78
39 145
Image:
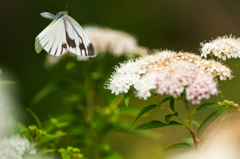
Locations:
63 35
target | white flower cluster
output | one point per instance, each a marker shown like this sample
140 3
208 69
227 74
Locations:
216 69
227 102
129 72
222 47
105 40
15 147
174 79
201 87
113 41
169 73
211 67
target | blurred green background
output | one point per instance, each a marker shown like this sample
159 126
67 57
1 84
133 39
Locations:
178 25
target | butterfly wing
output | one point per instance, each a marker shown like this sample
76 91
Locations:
77 40
52 39
41 37
63 35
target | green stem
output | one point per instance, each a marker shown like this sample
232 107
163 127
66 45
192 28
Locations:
194 109
194 140
234 65
172 112
189 114
155 98
190 122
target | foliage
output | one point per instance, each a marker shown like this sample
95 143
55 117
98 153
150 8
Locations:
93 113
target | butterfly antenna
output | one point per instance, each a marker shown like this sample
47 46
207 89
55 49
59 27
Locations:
66 6
75 5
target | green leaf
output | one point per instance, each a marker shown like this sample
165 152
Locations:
173 123
172 104
220 94
66 117
143 111
49 137
211 105
35 117
196 123
178 145
155 124
63 124
165 100
129 111
209 120
63 153
124 127
168 117
127 97
188 141
150 125
147 108
24 130
207 105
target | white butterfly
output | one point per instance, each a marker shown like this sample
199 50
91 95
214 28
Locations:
62 35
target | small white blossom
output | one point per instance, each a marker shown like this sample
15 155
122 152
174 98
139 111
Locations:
225 47
201 88
15 147
146 84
